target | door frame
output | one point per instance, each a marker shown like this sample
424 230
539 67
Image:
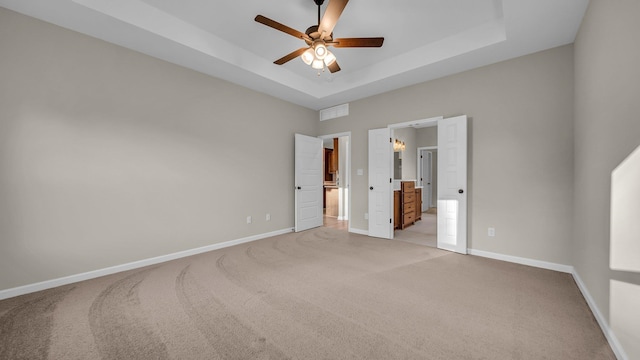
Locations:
419 169
415 123
347 170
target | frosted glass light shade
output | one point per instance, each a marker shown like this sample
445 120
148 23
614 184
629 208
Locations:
321 51
330 58
307 56
317 64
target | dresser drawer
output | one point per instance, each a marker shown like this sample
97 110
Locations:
409 207
408 186
409 197
409 218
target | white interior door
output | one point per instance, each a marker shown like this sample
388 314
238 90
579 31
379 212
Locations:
452 184
425 177
308 182
380 186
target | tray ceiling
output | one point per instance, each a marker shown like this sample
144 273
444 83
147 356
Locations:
424 39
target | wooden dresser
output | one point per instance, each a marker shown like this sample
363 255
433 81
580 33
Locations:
407 203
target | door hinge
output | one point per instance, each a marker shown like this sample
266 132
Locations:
390 181
390 140
389 220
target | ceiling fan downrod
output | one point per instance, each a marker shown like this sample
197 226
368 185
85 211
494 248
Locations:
319 3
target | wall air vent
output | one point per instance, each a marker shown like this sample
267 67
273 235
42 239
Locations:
334 112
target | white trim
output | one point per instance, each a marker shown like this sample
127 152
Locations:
608 333
48 284
604 326
419 170
359 231
524 261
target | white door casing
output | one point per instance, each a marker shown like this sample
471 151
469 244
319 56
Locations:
452 184
308 182
380 184
427 172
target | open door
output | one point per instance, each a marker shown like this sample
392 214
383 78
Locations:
380 186
425 175
452 184
308 182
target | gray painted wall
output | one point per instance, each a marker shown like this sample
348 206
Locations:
520 148
427 136
607 129
108 156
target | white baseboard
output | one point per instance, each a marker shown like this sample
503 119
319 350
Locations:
48 284
604 325
524 261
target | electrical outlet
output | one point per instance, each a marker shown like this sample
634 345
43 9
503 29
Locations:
366 216
248 219
268 217
491 232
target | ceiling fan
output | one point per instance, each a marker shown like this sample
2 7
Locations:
319 37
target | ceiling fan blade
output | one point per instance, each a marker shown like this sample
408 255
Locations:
358 42
334 67
331 16
290 56
284 28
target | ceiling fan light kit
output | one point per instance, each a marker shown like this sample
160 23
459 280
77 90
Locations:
319 37
308 56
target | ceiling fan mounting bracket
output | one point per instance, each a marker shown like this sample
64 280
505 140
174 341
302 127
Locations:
319 2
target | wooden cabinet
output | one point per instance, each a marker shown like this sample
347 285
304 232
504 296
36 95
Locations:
418 203
333 159
407 203
397 214
328 175
331 207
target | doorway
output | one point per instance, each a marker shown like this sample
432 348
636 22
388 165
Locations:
452 183
337 171
420 140
428 176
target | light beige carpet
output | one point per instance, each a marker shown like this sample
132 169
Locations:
423 232
320 294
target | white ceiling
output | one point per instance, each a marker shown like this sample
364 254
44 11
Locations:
424 39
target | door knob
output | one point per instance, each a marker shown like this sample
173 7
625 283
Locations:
299 187
370 187
460 191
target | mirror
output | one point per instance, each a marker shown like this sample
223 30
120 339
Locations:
397 165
